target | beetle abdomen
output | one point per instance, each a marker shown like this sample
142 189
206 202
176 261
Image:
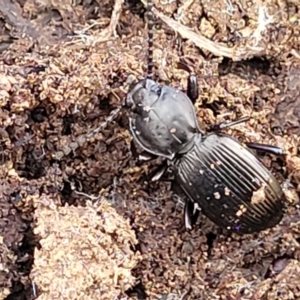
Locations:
230 184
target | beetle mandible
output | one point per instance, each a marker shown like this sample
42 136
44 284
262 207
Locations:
221 177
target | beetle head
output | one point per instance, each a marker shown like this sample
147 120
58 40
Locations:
142 94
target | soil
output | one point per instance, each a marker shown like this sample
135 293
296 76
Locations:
76 202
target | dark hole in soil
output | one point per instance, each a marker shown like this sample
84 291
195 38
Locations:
16 197
138 290
277 265
215 106
136 7
247 69
210 241
123 121
67 125
258 102
66 194
104 104
32 168
246 19
37 69
39 114
277 130
19 290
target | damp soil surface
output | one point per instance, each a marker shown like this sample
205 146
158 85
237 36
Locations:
79 217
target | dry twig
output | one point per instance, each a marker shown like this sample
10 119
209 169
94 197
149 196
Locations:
110 30
106 34
200 41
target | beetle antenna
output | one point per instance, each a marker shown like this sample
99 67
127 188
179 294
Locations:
150 25
113 114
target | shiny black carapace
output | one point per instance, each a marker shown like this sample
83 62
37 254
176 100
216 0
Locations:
221 177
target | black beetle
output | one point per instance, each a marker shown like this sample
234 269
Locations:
221 177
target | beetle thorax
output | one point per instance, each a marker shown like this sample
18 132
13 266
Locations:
164 120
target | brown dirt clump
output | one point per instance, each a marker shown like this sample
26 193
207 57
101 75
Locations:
85 251
8 270
13 230
58 86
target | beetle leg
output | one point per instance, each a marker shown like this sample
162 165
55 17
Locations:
144 156
133 149
191 214
256 146
192 88
265 148
159 172
224 125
